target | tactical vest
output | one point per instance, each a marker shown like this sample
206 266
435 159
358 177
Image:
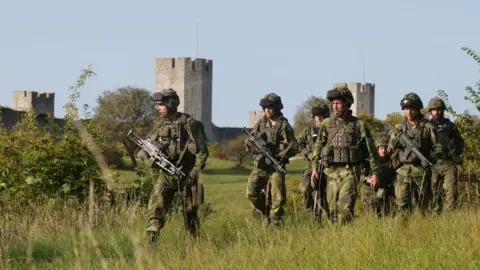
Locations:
345 145
415 135
444 134
175 135
270 134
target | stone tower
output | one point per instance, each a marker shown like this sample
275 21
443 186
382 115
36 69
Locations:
42 103
364 95
254 116
192 80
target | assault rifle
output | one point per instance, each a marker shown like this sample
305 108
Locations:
319 195
409 145
259 146
154 151
452 150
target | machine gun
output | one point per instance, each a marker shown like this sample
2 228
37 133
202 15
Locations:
410 146
260 147
154 151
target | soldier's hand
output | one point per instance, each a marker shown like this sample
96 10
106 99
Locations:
373 181
314 177
151 162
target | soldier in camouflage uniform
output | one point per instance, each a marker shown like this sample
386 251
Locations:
376 201
446 173
275 130
184 141
349 144
306 140
412 184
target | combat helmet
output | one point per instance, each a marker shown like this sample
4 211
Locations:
411 100
342 93
382 141
320 109
168 97
271 100
436 103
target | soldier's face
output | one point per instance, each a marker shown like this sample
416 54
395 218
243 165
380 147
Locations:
411 113
381 151
269 112
162 108
337 106
436 113
317 118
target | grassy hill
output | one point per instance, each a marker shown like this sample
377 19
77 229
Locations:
59 236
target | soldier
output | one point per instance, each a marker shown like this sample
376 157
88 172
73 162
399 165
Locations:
377 200
349 144
306 140
446 161
412 182
184 141
273 128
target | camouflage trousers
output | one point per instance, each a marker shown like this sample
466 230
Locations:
342 192
446 178
376 202
412 187
257 192
306 189
161 200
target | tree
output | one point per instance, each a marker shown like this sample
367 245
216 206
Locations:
121 110
395 118
376 126
236 150
303 115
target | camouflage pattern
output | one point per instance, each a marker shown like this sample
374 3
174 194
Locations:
411 100
436 103
342 93
413 182
272 100
306 140
168 97
376 201
184 140
264 179
343 177
446 173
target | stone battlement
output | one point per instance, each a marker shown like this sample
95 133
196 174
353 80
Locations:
184 62
41 102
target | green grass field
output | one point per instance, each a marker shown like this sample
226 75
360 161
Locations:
59 237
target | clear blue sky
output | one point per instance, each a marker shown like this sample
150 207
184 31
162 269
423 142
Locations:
293 48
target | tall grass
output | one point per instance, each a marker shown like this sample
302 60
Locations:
58 236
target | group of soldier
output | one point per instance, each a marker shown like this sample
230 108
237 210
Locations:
412 164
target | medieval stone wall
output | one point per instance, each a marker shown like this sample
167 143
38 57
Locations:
42 103
192 80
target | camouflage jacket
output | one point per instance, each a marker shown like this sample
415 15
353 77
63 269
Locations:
308 136
425 135
362 143
183 138
279 138
450 137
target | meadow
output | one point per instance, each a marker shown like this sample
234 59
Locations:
64 236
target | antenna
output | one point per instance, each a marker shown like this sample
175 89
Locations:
197 41
363 69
